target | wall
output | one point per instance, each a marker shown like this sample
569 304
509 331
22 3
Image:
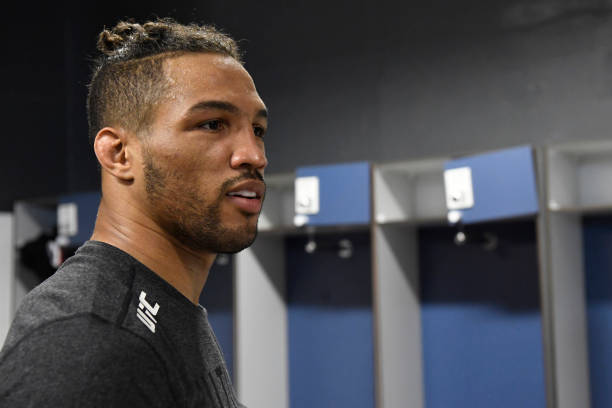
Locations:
365 80
33 153
344 81
49 50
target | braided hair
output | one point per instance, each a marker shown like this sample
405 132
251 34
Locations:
128 79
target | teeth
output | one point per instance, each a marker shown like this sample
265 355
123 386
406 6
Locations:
244 193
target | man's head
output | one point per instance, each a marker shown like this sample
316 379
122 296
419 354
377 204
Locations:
128 78
177 126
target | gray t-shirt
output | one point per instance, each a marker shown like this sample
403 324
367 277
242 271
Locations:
106 331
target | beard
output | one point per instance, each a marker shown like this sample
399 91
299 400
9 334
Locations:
180 210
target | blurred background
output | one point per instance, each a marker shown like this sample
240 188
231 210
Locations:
344 81
394 307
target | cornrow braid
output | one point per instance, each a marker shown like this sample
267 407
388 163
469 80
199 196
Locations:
128 77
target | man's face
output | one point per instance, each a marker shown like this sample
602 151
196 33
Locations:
203 155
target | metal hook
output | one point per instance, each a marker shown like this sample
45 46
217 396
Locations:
345 248
488 240
311 245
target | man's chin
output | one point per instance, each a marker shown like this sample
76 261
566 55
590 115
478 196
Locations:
236 240
226 236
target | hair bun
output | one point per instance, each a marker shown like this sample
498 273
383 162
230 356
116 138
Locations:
111 40
155 30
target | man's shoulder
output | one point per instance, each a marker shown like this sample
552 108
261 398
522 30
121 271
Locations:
82 358
101 319
81 338
104 284
88 283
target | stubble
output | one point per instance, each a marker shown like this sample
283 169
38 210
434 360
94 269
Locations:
181 212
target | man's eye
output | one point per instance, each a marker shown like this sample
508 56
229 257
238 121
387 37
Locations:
212 125
259 131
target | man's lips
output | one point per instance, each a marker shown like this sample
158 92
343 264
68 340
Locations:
248 195
249 186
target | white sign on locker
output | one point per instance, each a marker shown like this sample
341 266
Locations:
307 195
459 189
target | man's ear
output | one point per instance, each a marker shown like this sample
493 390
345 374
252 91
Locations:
111 148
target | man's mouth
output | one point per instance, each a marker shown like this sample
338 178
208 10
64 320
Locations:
243 193
248 195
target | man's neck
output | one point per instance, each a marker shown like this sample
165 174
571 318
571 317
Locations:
184 269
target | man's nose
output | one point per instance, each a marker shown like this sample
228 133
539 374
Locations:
249 151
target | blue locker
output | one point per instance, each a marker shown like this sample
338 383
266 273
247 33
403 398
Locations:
504 184
344 193
329 298
597 239
481 322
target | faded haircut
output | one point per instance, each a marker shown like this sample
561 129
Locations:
128 78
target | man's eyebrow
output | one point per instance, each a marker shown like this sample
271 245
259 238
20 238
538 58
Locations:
222 105
205 105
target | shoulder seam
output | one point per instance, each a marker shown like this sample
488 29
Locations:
42 326
141 339
125 307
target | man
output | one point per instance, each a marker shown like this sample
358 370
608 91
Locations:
177 127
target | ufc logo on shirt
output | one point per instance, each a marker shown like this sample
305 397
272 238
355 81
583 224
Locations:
146 312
